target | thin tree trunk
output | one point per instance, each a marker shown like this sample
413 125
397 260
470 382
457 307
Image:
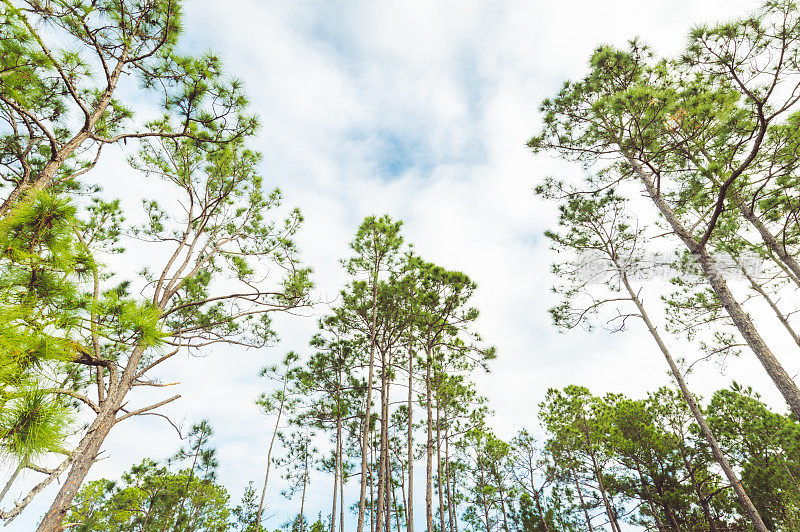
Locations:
650 502
189 481
538 500
536 496
698 491
337 468
429 449
720 457
303 496
403 489
11 480
341 496
502 502
484 502
580 498
387 470
773 305
371 486
668 509
389 491
771 242
269 455
394 498
439 471
410 442
335 481
453 475
450 508
596 469
384 399
775 370
368 407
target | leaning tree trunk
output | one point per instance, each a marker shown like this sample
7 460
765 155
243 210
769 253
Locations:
775 370
596 469
269 456
772 304
720 457
89 447
580 498
537 498
771 242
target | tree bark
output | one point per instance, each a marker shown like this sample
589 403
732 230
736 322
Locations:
612 519
269 455
305 483
337 473
365 436
580 498
89 447
450 508
720 457
771 242
384 400
772 304
439 471
410 442
775 370
429 447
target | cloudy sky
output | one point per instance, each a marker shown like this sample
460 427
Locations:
419 109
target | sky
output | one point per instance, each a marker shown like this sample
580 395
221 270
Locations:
420 110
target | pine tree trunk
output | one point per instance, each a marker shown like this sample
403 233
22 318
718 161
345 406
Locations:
387 470
410 443
365 436
303 496
371 486
439 472
580 498
450 506
384 399
772 304
771 242
597 474
341 496
389 492
269 456
484 502
53 519
650 501
89 447
502 503
775 370
720 457
335 479
538 500
429 448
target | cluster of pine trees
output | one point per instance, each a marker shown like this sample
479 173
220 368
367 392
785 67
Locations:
691 167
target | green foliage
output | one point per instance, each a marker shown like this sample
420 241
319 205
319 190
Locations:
182 494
